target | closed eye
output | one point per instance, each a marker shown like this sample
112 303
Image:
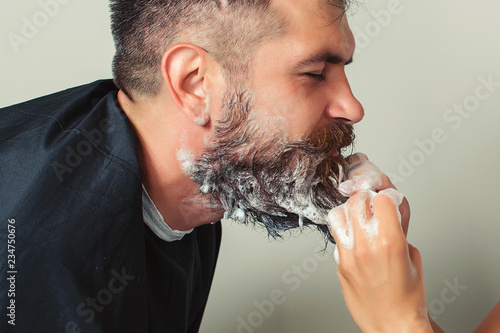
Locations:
318 77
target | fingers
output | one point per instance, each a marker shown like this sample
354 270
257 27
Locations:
359 221
351 221
416 258
385 209
358 164
341 230
360 213
404 209
363 176
355 159
341 227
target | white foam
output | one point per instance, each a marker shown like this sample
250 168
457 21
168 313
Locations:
336 255
201 120
205 188
396 198
361 166
185 156
363 175
303 207
370 228
368 225
239 215
370 180
186 159
341 222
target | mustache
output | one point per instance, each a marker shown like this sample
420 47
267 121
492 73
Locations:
314 163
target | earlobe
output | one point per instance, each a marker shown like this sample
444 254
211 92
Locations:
184 69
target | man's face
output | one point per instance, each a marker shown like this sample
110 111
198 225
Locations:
300 76
276 158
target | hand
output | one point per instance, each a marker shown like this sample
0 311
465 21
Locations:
379 272
363 175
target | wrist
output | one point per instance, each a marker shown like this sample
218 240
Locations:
417 325
423 328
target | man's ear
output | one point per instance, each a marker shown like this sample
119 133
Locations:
184 69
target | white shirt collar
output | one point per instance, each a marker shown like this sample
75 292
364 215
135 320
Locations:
155 221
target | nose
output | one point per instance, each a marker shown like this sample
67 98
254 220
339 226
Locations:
343 106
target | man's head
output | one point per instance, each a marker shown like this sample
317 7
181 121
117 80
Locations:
283 109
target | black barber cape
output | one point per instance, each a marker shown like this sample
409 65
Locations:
81 258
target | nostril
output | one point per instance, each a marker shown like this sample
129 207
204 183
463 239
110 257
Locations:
344 121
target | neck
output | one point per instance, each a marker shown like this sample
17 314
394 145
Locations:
159 135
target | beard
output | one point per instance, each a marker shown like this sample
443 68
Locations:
259 177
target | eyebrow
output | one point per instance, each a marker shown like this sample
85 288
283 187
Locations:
327 57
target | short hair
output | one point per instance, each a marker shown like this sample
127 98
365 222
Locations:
229 30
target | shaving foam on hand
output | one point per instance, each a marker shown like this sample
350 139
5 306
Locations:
341 224
341 221
359 164
336 255
364 182
363 175
396 197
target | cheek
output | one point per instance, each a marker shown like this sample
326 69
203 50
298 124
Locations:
305 116
302 113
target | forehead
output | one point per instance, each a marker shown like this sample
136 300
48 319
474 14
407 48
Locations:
312 27
307 17
301 11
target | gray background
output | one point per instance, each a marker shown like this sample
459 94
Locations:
409 71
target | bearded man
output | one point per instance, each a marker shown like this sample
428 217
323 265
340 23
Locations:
218 107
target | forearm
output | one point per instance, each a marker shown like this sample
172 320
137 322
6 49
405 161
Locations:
491 323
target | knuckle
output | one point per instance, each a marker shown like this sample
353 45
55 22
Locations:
360 197
386 244
362 253
392 247
346 268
